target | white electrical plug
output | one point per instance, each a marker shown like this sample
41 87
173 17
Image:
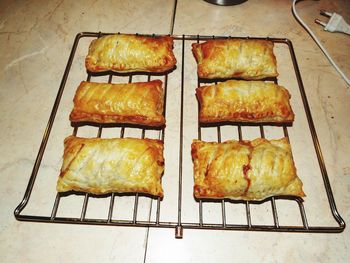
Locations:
314 37
336 23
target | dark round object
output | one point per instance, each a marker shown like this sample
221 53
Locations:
225 2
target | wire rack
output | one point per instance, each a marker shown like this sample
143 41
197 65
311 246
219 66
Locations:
177 223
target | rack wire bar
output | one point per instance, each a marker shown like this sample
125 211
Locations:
274 210
111 206
223 211
178 223
178 229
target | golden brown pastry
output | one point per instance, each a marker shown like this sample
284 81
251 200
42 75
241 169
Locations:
130 53
136 103
244 101
235 58
99 166
244 170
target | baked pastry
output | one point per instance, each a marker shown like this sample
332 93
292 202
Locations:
244 170
235 58
136 103
100 166
244 101
130 53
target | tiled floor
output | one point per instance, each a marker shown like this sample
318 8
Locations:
37 37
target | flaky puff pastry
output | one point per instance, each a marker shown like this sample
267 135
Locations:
244 101
121 165
235 58
244 170
136 103
130 53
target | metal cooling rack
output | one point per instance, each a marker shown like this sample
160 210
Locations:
53 218
178 224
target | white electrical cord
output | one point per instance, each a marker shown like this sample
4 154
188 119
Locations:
319 43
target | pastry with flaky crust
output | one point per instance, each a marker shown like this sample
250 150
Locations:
136 103
131 53
244 170
121 165
244 101
235 58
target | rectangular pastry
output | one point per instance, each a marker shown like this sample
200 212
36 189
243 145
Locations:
136 103
235 58
244 101
131 53
121 165
244 170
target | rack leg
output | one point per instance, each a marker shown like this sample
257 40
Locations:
179 231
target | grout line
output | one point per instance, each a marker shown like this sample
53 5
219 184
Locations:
173 18
150 212
147 233
149 219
